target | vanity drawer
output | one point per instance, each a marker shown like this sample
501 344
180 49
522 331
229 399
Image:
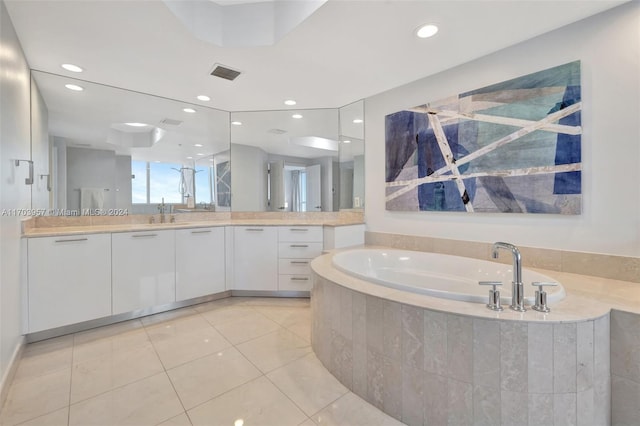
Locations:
294 283
299 250
300 233
294 266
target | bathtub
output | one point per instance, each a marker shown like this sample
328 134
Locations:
439 275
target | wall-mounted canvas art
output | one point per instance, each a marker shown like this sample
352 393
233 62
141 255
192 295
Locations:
512 147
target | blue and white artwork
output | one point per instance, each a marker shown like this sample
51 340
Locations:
512 147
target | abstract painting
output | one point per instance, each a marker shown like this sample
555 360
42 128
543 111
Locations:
512 147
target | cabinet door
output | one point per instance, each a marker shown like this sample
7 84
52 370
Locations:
143 270
200 262
255 258
69 280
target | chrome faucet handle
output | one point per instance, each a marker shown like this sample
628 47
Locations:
541 296
494 295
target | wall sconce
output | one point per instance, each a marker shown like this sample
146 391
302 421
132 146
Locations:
29 180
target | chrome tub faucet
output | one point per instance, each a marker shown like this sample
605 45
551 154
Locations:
517 292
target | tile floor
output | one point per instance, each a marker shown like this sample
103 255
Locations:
209 364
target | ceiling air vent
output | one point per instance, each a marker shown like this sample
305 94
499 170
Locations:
171 122
225 72
277 131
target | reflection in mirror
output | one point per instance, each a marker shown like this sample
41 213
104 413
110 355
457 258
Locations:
285 161
101 148
352 156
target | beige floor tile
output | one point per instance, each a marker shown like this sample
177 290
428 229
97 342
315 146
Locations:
86 349
258 402
308 422
205 378
301 329
34 397
354 411
45 357
226 314
247 327
308 384
217 304
147 402
186 347
119 330
57 418
285 316
168 316
177 327
180 420
274 349
101 374
278 301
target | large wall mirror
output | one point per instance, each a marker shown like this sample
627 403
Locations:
105 150
297 160
352 156
284 160
101 148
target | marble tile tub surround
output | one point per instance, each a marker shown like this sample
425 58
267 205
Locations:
600 265
625 368
423 366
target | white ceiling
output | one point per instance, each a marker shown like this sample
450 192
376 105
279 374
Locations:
345 51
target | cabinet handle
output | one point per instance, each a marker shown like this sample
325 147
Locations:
254 229
144 235
299 279
71 240
299 262
206 231
299 229
299 245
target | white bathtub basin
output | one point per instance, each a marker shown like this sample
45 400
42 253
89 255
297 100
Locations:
439 275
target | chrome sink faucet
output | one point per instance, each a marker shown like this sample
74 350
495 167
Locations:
517 292
162 208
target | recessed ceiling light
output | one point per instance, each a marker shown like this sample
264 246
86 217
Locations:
358 120
71 67
296 116
426 31
157 161
290 102
189 110
346 141
200 153
189 158
197 145
210 159
203 98
237 123
74 87
136 124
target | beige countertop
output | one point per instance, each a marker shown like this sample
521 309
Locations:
58 231
587 297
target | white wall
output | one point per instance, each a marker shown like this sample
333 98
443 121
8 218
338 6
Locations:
609 47
14 194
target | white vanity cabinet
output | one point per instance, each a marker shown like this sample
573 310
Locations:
297 246
69 280
200 262
255 258
143 269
